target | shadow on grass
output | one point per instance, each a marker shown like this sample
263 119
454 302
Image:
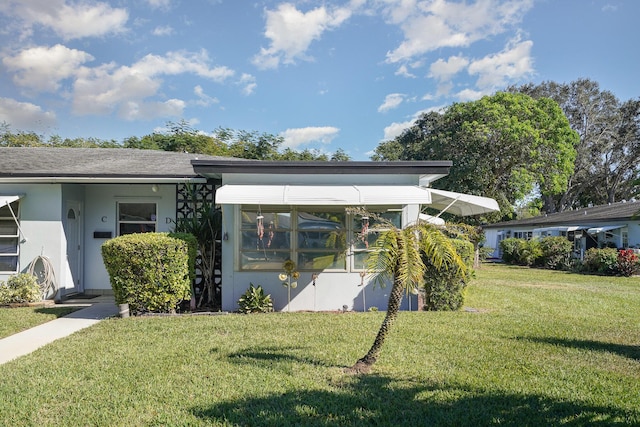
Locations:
57 311
375 400
629 351
273 354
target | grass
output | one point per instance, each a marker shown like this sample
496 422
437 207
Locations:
532 348
14 320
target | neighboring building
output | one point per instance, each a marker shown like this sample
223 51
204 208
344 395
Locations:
63 203
615 225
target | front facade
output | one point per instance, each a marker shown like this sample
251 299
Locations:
614 225
62 210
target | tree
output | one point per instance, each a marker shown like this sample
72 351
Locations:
397 256
608 150
179 137
503 146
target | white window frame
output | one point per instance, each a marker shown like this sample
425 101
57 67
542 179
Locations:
153 221
13 210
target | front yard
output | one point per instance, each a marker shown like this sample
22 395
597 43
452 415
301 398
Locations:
531 347
13 320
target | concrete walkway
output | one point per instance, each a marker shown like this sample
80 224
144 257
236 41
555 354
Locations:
27 341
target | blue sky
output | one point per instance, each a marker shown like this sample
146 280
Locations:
324 75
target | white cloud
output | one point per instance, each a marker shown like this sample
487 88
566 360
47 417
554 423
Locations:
132 110
291 32
69 20
431 25
25 115
444 70
159 4
391 101
403 71
395 129
470 95
495 71
42 68
293 138
126 89
204 99
165 30
248 83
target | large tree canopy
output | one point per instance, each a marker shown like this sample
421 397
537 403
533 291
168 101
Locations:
502 146
608 154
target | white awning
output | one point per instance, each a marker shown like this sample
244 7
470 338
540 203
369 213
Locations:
461 204
596 230
431 219
6 200
355 195
559 228
334 195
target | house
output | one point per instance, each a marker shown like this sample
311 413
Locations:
59 205
614 225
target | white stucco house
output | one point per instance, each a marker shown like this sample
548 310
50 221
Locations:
615 225
64 203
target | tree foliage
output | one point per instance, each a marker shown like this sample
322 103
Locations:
503 146
608 152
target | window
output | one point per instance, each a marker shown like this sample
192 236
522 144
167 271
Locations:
136 218
315 239
365 231
9 238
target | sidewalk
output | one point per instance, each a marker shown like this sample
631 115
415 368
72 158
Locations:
30 340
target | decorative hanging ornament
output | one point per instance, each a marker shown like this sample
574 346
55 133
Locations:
365 231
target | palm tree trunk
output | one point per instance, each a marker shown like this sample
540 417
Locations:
395 299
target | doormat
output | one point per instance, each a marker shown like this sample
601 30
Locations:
81 296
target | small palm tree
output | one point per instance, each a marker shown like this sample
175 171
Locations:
397 256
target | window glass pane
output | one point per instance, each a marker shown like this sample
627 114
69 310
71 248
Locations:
259 260
279 220
330 260
130 228
8 228
9 263
360 260
9 245
137 211
271 239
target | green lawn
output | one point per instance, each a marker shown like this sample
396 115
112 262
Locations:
13 320
532 348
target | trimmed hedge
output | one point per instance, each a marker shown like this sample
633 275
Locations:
444 287
149 271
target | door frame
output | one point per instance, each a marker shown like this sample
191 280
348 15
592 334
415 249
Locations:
75 263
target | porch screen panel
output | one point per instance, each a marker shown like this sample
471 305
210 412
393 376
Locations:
265 239
136 218
321 240
9 239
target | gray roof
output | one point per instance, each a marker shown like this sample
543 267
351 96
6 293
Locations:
43 162
620 211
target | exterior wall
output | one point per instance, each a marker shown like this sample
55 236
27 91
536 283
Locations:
101 216
40 221
333 290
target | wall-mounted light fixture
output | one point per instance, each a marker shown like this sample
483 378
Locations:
154 188
225 236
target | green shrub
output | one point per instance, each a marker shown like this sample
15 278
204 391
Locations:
601 261
255 301
556 252
20 288
444 286
192 246
531 253
149 271
511 250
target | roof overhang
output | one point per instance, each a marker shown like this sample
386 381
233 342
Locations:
427 171
101 180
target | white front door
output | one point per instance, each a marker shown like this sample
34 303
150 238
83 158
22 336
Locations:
73 230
